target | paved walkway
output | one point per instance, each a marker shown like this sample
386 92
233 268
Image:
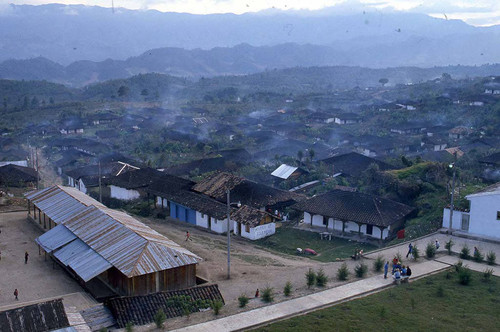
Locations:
479 267
267 314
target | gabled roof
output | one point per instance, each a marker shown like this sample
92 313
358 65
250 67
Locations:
353 164
135 178
103 237
494 189
127 244
247 215
59 202
178 190
356 207
13 175
141 309
39 317
284 171
491 159
205 165
107 169
243 190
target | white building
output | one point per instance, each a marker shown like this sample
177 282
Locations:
345 212
483 218
252 223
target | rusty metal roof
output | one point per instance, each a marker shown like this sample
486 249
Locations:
129 245
121 240
59 203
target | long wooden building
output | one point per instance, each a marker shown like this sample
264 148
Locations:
92 241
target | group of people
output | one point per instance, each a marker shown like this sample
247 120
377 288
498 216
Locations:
358 253
398 270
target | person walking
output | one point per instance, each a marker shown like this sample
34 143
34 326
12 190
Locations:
188 236
386 269
410 250
16 293
26 256
257 293
437 245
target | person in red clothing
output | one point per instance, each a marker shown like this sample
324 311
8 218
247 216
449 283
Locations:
16 293
188 236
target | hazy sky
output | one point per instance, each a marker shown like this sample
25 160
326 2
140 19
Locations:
475 12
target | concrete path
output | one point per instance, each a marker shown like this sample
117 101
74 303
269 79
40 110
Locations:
479 267
267 314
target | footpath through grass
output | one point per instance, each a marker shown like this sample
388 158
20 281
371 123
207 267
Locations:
287 240
434 303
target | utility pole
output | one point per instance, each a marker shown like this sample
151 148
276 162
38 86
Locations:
37 171
228 236
100 190
452 196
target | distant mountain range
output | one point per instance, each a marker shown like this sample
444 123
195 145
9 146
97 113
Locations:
239 60
69 44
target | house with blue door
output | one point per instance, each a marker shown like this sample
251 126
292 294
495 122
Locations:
175 198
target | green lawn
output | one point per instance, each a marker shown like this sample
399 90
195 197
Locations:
418 306
287 239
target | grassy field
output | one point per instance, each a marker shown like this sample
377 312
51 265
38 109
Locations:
287 239
434 303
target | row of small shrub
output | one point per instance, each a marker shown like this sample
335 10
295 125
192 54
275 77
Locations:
477 256
319 278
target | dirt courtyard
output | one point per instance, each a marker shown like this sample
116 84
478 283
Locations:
35 280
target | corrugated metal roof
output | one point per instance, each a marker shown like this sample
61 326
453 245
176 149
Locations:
60 203
82 259
129 245
116 237
55 238
284 171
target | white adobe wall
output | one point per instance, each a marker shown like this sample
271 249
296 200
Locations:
82 187
483 215
217 226
123 194
258 232
456 223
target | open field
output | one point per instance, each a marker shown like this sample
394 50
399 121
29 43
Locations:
435 303
287 239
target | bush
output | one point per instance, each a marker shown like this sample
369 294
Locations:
448 245
288 288
478 256
216 306
378 264
129 327
243 299
268 295
430 250
464 276
458 266
310 278
343 272
415 252
321 278
465 252
360 270
487 274
491 258
160 318
440 291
